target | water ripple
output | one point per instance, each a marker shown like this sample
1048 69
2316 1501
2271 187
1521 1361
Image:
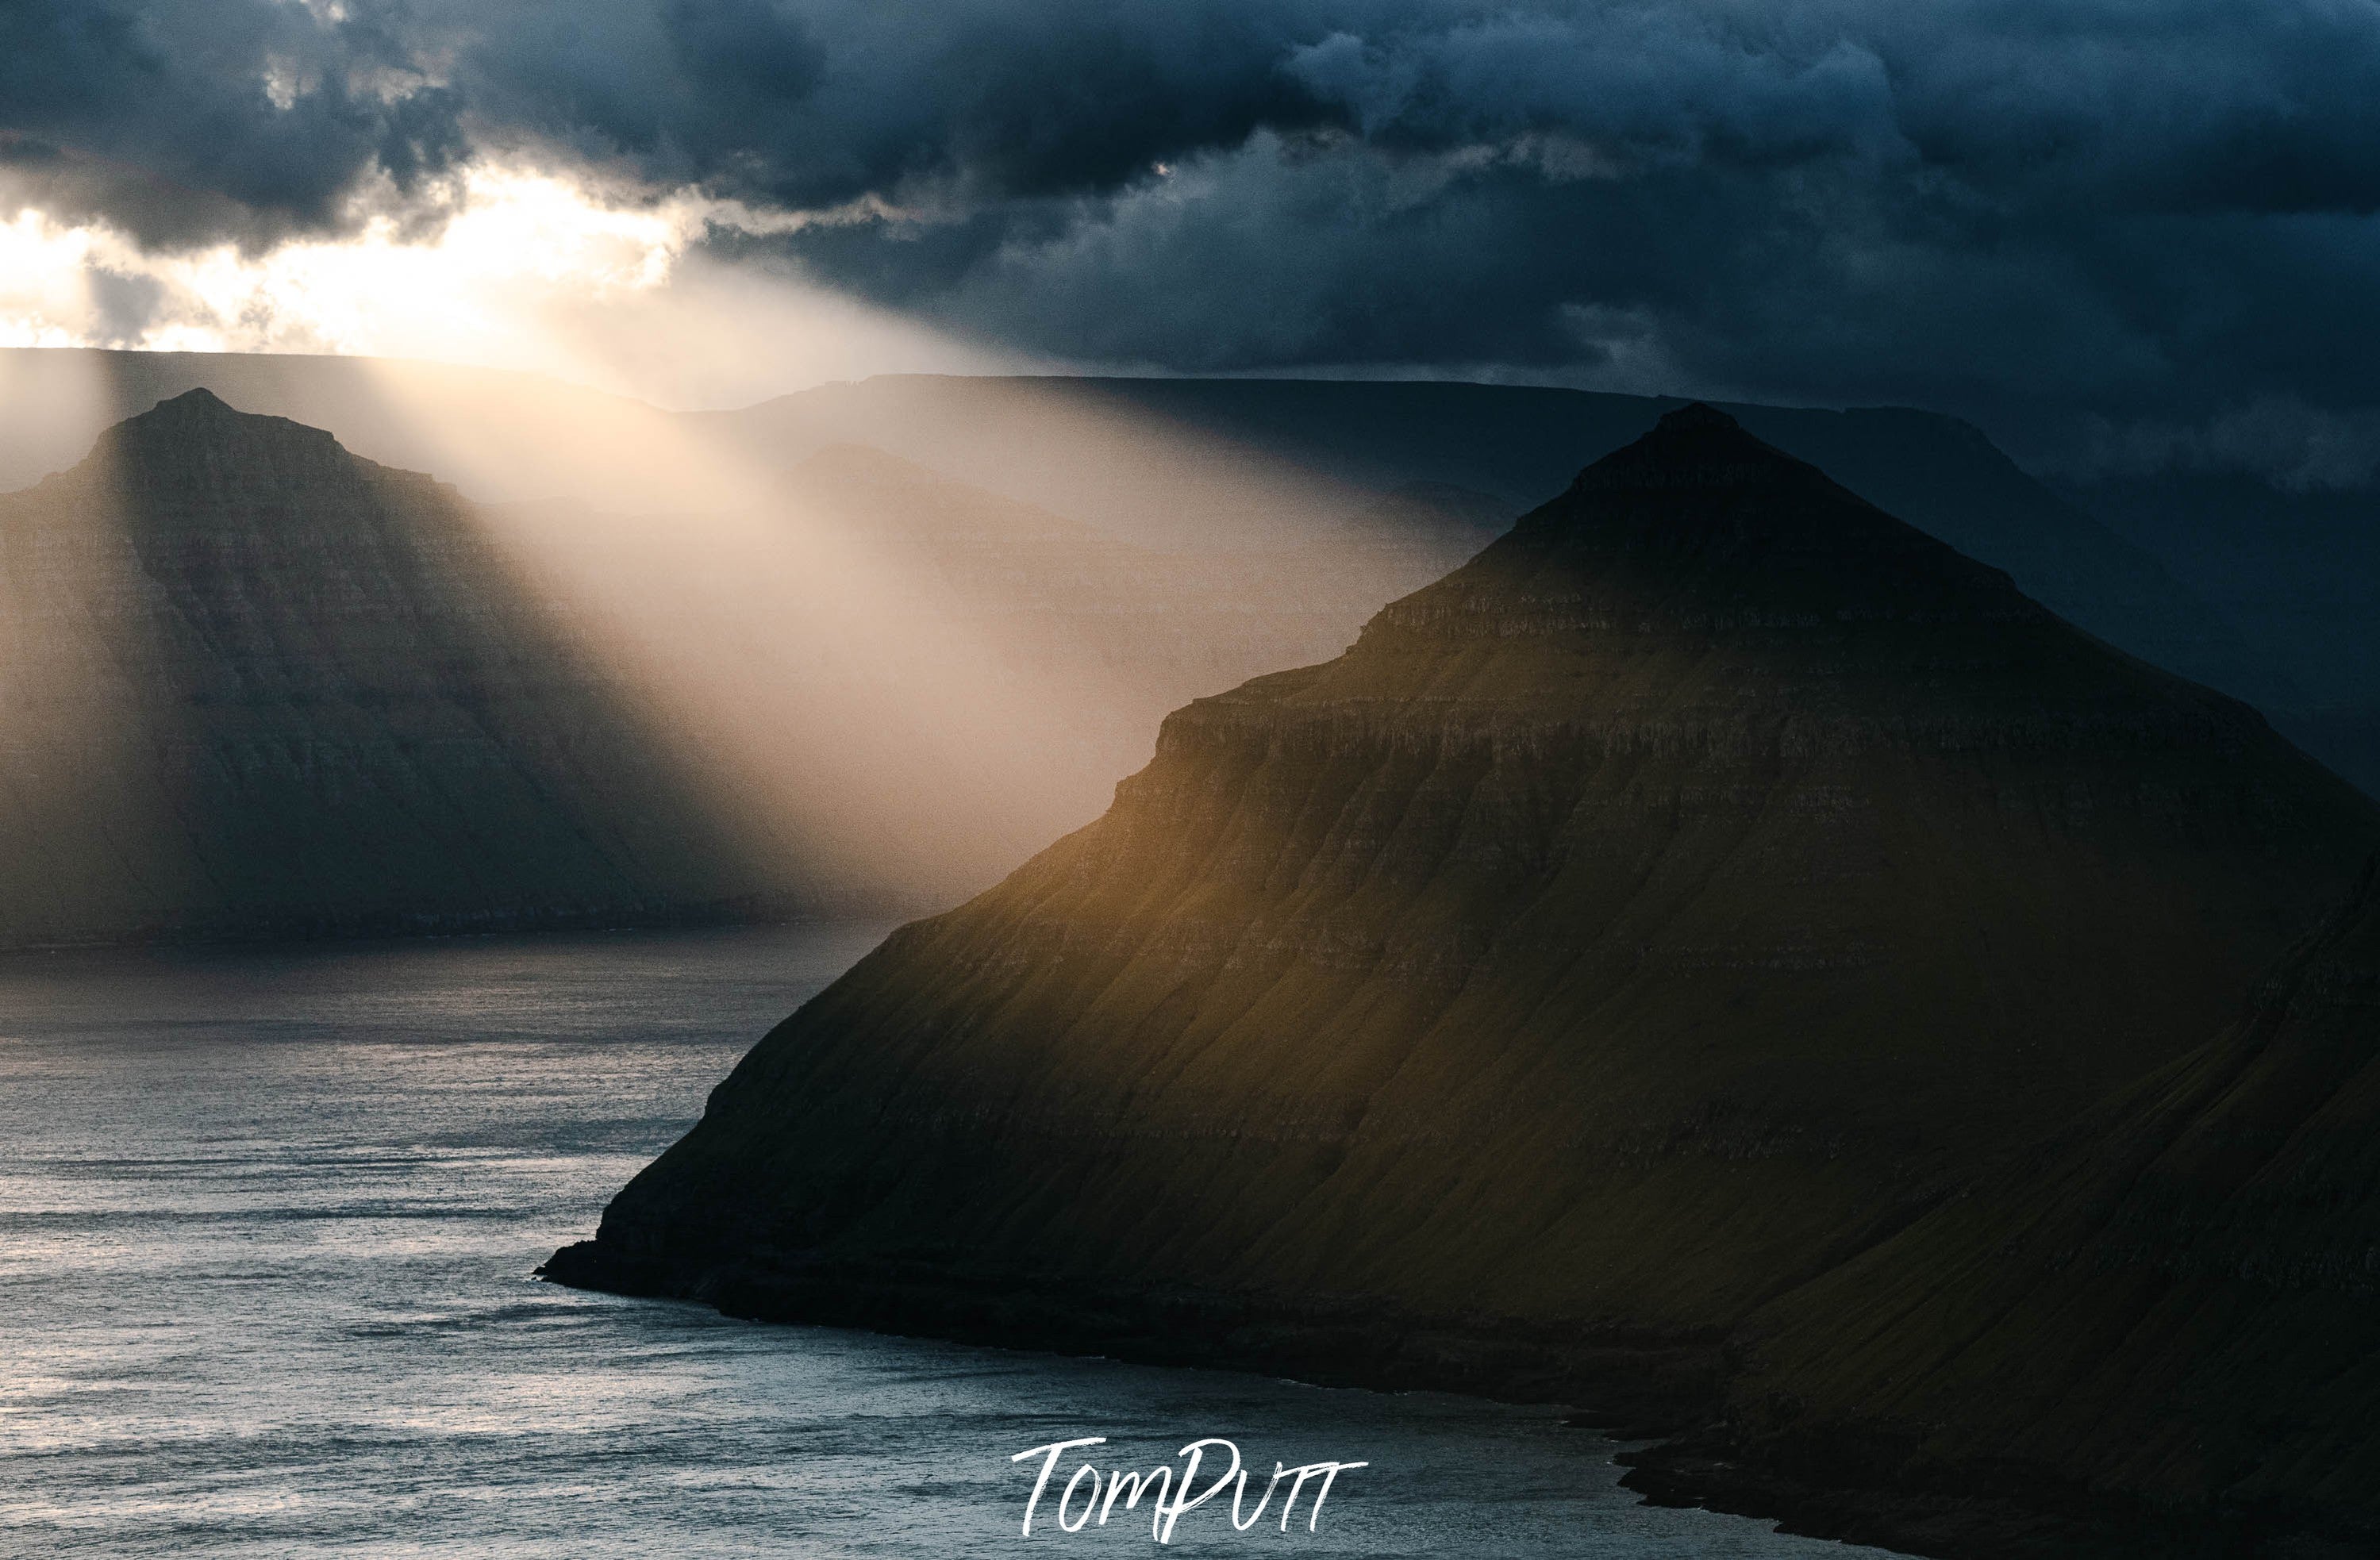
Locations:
266 1226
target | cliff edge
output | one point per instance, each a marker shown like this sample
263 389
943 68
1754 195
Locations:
1671 903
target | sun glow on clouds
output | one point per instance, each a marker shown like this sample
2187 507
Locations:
533 271
44 283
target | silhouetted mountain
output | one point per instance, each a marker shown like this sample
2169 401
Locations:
498 435
2247 588
1632 925
253 684
256 686
2167 1314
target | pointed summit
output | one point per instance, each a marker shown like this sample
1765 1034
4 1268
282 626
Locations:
1698 445
201 413
291 692
1634 921
196 462
1700 526
1697 417
198 402
198 419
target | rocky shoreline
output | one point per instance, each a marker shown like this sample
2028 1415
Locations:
1633 1387
1591 990
1645 1385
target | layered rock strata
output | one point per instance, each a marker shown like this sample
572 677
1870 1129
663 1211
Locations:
1633 926
253 686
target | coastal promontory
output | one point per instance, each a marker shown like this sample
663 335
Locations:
1659 910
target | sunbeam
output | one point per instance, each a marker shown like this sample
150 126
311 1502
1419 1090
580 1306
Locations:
529 269
838 699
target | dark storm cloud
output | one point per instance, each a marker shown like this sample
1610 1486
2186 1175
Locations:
238 118
2157 211
816 104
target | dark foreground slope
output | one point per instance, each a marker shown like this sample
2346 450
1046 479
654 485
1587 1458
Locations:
1634 924
2170 1313
251 684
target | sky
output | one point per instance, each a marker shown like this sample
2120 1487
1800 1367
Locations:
2117 232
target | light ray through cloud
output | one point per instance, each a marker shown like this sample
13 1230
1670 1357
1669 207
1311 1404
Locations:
533 270
87 788
843 708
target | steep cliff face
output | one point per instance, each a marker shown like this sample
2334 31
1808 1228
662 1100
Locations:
1628 927
2176 1301
254 685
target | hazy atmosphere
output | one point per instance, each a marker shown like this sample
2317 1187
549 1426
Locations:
780 777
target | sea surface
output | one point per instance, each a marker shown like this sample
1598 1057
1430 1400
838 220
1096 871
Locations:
267 1224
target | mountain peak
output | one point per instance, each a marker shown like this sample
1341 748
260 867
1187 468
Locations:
200 408
1601 942
194 462
177 428
198 400
1700 522
194 408
1698 446
1697 417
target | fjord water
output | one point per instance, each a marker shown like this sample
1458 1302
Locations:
267 1223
